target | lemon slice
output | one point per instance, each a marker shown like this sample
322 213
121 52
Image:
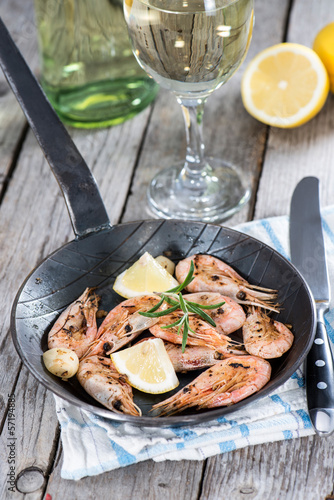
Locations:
143 278
323 45
285 85
147 366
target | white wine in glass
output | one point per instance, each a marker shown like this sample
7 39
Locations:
192 47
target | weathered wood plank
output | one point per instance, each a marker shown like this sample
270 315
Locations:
290 470
19 19
149 480
306 150
28 438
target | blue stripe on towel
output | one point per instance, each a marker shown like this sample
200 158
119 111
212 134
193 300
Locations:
329 318
300 379
272 235
277 399
305 418
123 456
227 446
244 430
180 446
328 231
184 433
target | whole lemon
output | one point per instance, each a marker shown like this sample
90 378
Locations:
324 46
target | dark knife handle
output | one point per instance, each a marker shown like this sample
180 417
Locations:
320 380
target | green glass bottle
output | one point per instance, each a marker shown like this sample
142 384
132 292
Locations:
88 70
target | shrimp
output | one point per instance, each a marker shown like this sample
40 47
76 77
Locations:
76 327
100 379
205 336
228 318
124 323
225 383
265 337
214 275
193 358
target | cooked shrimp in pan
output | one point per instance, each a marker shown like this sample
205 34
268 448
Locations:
225 383
193 358
265 337
124 323
101 380
205 335
228 318
76 327
214 275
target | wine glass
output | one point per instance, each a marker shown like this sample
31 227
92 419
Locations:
192 47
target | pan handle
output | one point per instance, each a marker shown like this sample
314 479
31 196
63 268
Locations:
82 197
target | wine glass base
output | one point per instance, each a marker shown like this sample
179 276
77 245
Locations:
220 196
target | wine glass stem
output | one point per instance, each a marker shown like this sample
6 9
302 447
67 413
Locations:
195 165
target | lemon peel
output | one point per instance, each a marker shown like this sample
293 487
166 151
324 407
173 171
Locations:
144 277
323 45
285 85
147 366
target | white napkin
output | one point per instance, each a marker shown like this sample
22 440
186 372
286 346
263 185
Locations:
93 444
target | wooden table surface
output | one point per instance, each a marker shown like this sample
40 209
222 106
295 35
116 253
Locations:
34 222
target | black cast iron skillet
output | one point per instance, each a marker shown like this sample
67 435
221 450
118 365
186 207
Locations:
100 252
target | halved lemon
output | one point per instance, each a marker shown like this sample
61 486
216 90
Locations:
147 366
323 45
144 277
285 85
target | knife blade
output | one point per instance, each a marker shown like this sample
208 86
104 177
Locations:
308 255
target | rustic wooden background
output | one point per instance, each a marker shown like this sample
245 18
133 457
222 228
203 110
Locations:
34 222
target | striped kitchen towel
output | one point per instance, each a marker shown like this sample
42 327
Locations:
93 445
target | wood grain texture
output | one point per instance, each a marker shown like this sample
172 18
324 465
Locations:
149 480
35 434
288 470
306 150
19 19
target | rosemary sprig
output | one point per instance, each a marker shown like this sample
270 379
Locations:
175 299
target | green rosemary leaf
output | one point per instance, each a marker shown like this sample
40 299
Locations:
185 334
181 323
202 306
160 313
154 308
176 323
169 300
195 309
183 304
174 298
186 282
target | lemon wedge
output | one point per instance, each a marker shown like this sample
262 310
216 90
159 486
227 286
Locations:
147 367
323 45
285 85
143 278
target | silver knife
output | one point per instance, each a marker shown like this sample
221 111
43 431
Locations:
308 255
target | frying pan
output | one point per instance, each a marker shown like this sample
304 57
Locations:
100 252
